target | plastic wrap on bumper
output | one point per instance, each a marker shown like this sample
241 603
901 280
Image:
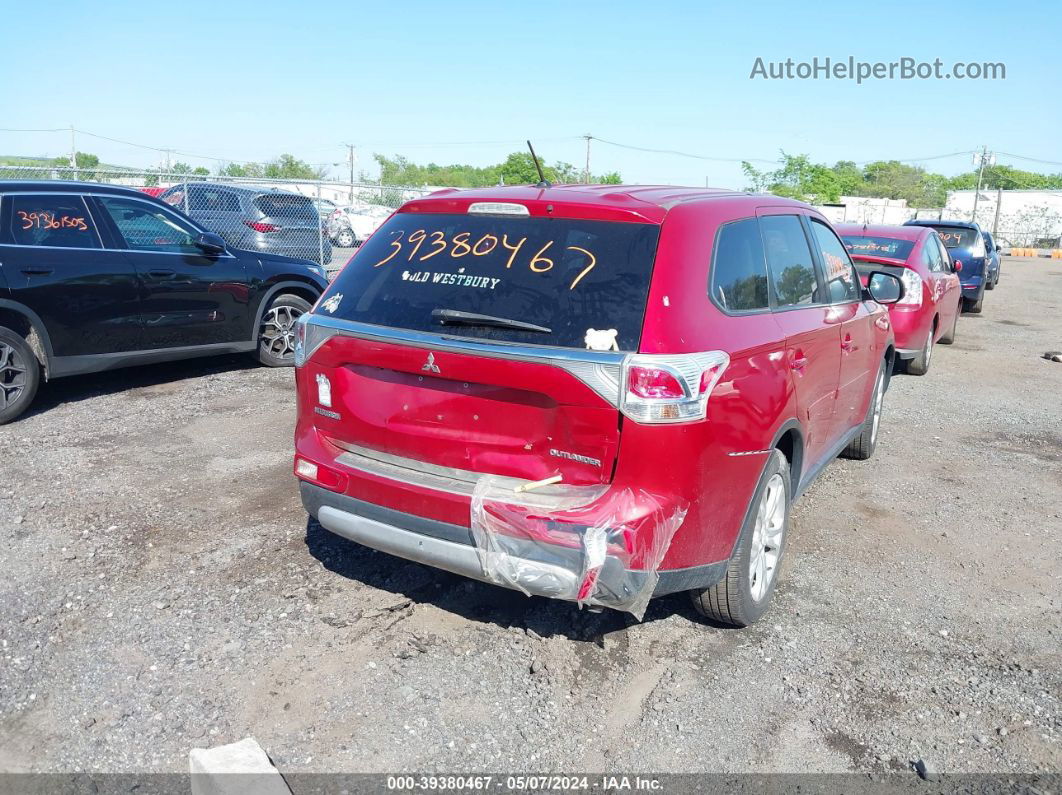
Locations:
558 545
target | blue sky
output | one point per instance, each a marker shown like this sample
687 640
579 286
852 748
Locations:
249 80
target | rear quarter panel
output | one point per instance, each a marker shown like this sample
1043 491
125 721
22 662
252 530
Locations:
713 464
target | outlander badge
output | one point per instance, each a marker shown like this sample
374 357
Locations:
430 366
332 304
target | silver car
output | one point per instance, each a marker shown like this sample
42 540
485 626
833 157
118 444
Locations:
270 221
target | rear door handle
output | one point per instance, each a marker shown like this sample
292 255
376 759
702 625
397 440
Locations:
38 271
162 274
798 363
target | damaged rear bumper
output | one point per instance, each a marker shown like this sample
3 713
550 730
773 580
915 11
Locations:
549 570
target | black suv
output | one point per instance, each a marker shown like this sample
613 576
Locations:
95 277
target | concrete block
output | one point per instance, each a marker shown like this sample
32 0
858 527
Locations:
241 768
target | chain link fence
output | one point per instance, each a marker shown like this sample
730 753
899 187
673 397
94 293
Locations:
319 220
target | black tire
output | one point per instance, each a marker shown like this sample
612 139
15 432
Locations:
972 306
20 375
862 447
948 337
276 333
733 600
345 238
919 365
991 285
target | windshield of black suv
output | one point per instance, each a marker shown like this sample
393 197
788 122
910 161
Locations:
888 247
569 276
957 236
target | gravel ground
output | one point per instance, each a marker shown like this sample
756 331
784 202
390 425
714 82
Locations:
164 590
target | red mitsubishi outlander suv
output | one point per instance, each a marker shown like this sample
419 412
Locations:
592 393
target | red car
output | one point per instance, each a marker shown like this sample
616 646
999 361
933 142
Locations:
932 300
598 394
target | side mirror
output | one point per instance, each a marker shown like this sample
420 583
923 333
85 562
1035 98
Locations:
884 287
210 244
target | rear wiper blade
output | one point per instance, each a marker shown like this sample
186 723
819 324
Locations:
452 317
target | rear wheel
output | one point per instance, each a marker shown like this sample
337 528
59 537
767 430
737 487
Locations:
862 447
345 238
919 365
973 306
742 596
276 335
20 375
991 285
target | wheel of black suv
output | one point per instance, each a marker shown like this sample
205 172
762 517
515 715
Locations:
972 306
919 365
276 336
862 447
345 238
742 596
948 337
20 375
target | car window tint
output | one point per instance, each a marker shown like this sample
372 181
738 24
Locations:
148 228
53 221
739 271
945 257
931 255
789 260
842 282
211 200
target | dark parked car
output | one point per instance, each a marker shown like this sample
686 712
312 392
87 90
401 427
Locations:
272 221
597 394
96 277
965 243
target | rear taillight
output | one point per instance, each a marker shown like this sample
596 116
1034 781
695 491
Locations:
912 288
309 336
672 388
258 226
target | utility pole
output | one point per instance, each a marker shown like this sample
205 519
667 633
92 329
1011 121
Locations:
350 147
984 156
586 173
73 149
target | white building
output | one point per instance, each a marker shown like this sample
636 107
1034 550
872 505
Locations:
1018 217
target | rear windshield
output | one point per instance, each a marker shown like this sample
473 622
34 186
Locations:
579 279
957 236
285 206
878 247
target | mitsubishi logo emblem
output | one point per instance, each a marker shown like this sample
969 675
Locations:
430 366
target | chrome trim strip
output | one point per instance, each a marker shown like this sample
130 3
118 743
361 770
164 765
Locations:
503 350
451 480
599 370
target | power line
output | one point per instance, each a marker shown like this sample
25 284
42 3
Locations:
1030 159
677 153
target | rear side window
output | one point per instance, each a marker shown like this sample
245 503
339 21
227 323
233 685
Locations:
285 205
569 276
789 261
53 221
739 271
842 283
931 255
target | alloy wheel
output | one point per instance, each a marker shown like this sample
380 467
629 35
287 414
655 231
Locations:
278 331
767 537
12 375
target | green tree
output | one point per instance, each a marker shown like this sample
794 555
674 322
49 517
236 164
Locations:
797 178
517 169
83 160
289 167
